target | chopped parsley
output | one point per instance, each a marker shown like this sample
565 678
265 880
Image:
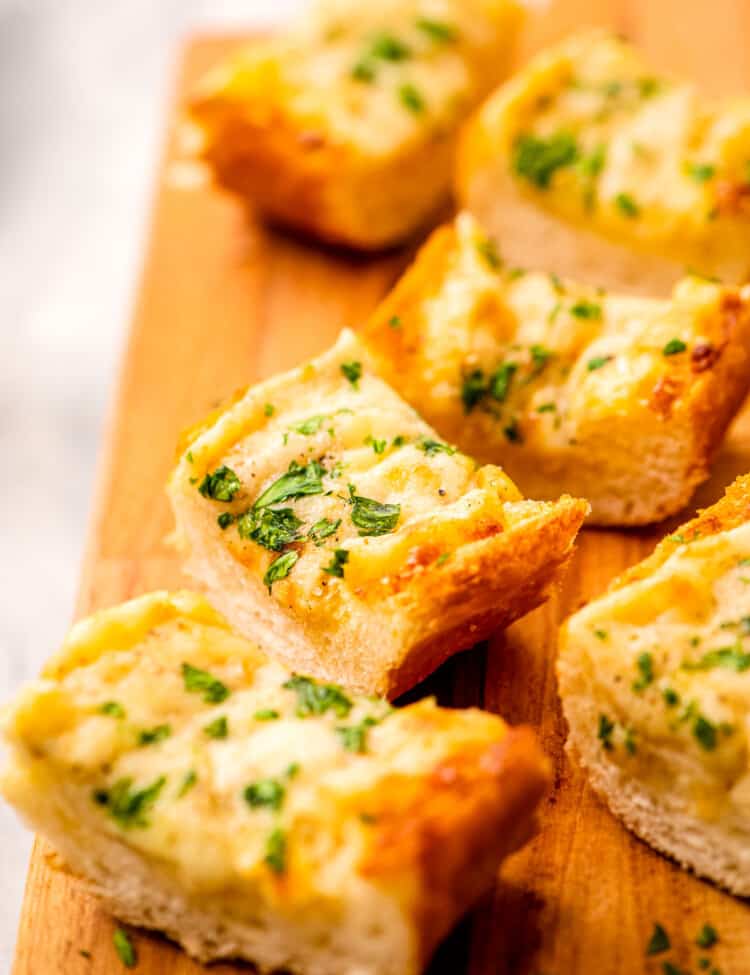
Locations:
336 566
219 728
540 356
188 782
700 172
627 205
354 737
437 30
538 159
276 851
280 568
658 942
201 682
473 388
224 520
221 485
373 517
267 714
431 447
597 362
394 322
309 426
124 947
315 698
112 709
323 529
705 733
604 732
296 483
268 793
674 347
363 71
152 736
513 432
410 98
352 371
269 409
487 250
645 665
377 445
273 528
501 380
731 658
389 48
600 634
671 697
127 806
707 936
546 408
586 309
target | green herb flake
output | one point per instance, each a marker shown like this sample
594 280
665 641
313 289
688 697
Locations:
627 206
272 528
670 697
336 566
658 942
707 936
601 634
221 485
394 322
501 380
112 709
598 362
645 665
389 48
513 432
487 250
352 371
269 409
280 568
604 732
323 529
674 347
314 698
704 963
629 742
473 389
297 482
129 807
540 356
188 782
432 447
201 682
276 851
546 408
377 445
224 520
437 30
218 728
152 736
189 455
265 793
730 658
411 99
442 558
669 969
586 309
538 159
309 426
373 517
354 737
700 172
125 948
363 71
266 714
705 733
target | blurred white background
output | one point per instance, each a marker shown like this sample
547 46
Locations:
84 90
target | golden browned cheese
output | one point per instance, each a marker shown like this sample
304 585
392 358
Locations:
618 399
588 151
159 738
333 525
346 127
655 680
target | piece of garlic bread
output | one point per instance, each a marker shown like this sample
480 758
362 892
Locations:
331 524
617 399
346 128
202 790
589 164
655 684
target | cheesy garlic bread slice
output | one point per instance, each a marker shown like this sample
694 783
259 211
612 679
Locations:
346 128
331 524
617 399
590 164
655 684
202 790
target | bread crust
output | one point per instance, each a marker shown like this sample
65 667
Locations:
606 396
651 185
287 128
361 887
465 556
656 697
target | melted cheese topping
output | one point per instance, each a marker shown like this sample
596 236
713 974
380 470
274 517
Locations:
383 489
225 775
669 657
507 360
376 74
594 136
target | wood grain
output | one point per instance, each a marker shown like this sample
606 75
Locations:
224 301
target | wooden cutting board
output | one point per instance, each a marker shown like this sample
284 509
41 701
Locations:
225 301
